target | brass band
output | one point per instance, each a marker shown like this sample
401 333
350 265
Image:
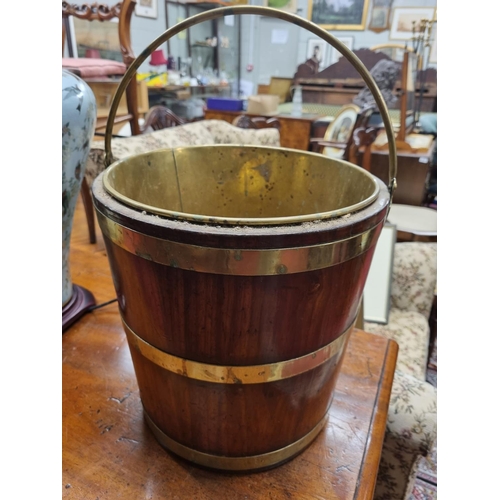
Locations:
264 262
254 374
235 463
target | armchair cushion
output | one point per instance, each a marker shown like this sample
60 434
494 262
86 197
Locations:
411 331
414 277
412 295
93 68
191 134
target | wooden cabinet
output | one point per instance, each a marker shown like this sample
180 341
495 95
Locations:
104 90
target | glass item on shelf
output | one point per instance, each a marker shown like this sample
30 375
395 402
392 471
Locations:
297 101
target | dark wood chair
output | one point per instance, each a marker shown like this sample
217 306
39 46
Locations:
92 68
362 135
160 117
256 122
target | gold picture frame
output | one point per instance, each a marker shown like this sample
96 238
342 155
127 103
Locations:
340 129
403 19
147 8
380 15
351 17
286 5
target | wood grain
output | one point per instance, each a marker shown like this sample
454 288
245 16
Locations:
108 451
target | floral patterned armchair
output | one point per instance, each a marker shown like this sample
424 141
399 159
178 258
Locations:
411 423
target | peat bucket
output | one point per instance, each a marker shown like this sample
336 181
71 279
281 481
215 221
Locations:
239 272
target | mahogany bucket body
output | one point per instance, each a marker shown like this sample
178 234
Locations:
237 303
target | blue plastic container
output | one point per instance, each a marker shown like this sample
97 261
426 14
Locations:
224 104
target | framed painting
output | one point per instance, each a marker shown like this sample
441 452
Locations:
405 18
340 129
336 15
147 8
316 50
98 39
380 15
286 5
334 54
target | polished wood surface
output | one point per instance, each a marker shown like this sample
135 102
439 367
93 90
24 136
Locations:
294 131
108 451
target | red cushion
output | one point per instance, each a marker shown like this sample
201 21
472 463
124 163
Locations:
91 67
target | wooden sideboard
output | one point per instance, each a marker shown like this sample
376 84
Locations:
295 132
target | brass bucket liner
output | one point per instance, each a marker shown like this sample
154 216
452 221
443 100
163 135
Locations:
240 185
239 271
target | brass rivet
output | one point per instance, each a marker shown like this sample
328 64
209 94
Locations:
282 269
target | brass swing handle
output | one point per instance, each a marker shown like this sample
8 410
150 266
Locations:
259 11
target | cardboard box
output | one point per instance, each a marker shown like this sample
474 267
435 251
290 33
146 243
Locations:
265 105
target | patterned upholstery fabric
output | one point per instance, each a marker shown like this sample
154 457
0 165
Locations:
412 293
89 67
191 134
411 331
411 423
414 277
411 432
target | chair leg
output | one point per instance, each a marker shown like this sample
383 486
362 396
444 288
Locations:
133 106
89 209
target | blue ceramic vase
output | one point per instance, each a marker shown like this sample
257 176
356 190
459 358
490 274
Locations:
79 114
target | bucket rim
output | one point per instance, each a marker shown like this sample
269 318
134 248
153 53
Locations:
236 221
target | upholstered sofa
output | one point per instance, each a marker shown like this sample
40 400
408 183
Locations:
411 426
198 133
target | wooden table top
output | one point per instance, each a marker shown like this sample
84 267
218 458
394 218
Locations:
211 114
109 452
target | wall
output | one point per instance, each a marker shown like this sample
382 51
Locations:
268 58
